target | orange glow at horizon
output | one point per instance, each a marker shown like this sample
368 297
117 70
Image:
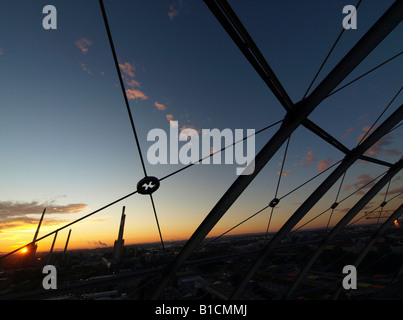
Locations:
397 225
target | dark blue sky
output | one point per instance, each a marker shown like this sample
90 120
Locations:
65 136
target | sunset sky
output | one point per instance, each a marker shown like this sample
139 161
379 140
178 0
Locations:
66 143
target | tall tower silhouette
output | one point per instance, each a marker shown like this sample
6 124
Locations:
119 243
31 248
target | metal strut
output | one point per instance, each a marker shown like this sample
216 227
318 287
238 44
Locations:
344 221
317 195
372 241
293 119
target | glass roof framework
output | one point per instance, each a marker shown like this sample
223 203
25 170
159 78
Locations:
228 19
297 115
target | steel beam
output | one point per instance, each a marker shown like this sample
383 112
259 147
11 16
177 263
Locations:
39 226
318 193
231 23
389 20
385 24
292 120
314 128
344 221
372 241
67 242
234 27
234 191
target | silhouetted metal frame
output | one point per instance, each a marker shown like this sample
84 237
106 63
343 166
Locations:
308 204
231 23
371 242
344 221
122 86
297 114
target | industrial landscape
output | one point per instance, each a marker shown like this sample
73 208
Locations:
131 271
68 150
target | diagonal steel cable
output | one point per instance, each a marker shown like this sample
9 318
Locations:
384 110
122 86
364 74
328 55
70 224
130 194
278 185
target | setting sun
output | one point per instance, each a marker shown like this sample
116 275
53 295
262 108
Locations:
24 250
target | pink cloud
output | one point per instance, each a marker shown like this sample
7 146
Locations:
190 127
159 106
347 133
324 164
285 173
394 191
307 160
85 68
363 117
83 45
196 132
347 187
170 117
362 180
365 129
173 12
1 51
127 68
132 83
133 94
359 121
379 147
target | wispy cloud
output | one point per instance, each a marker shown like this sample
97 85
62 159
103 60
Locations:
172 12
189 126
9 208
19 214
366 130
132 83
194 132
348 133
308 159
361 181
128 75
379 147
97 243
159 106
1 51
85 68
127 68
285 173
361 119
83 45
393 191
324 164
134 94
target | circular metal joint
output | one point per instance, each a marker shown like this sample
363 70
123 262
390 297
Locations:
334 205
148 185
274 202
